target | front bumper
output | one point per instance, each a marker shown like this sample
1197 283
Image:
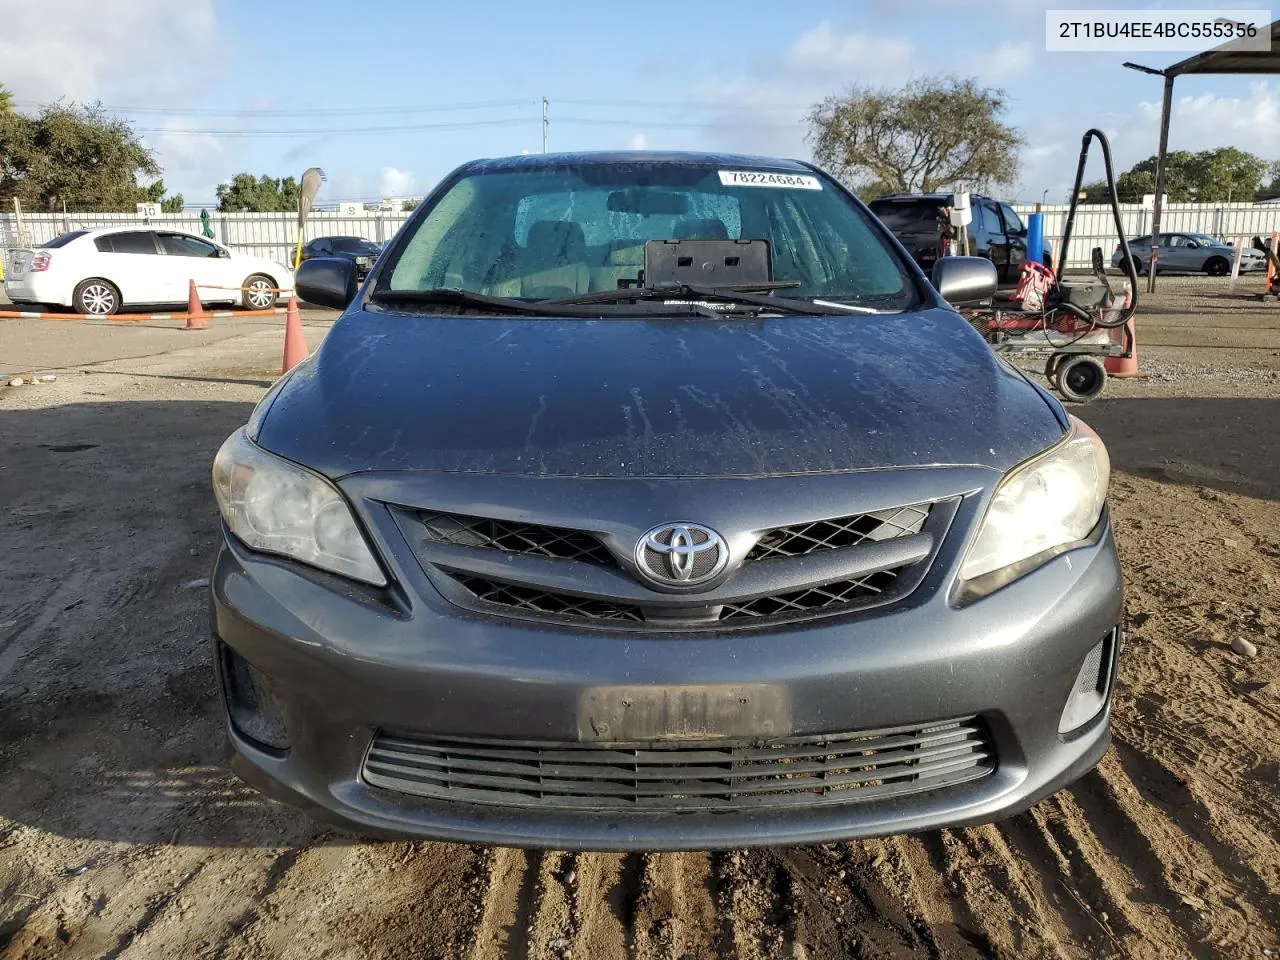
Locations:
343 667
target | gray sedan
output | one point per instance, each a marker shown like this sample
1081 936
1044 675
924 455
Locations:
658 501
1190 252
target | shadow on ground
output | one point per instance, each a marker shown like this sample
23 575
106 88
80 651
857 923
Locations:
1223 443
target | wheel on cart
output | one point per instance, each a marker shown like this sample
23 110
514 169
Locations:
1080 378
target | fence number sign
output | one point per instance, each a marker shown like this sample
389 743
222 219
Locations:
148 209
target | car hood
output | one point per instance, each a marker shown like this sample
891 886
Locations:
636 398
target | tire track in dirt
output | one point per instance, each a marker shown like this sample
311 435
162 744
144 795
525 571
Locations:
554 921
674 910
1005 900
503 929
149 916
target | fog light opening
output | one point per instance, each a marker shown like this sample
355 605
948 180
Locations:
251 704
1089 693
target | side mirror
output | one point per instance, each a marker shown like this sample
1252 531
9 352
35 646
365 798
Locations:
327 281
1192 245
964 281
224 254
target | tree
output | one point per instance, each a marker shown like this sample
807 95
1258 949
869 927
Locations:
408 206
73 154
6 102
931 133
173 204
1226 174
264 195
1220 175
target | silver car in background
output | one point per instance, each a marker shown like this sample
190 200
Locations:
1190 252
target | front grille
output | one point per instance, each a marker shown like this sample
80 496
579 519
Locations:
804 538
816 598
682 776
513 537
555 604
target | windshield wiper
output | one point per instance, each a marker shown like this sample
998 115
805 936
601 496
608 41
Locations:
453 297
728 293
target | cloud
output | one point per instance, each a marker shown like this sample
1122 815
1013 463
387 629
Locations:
825 51
638 141
396 183
1204 122
153 51
1008 62
763 110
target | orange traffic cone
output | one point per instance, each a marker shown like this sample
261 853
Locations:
1124 366
196 317
295 347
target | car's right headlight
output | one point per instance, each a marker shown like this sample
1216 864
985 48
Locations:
276 506
1042 508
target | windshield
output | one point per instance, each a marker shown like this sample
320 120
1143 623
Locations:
569 229
63 240
357 245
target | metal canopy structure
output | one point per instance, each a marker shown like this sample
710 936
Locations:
1227 59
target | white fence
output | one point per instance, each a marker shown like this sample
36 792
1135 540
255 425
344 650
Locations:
270 235
1095 224
273 235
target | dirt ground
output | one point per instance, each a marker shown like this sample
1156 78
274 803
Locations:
122 834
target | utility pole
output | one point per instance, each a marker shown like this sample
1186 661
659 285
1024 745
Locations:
546 122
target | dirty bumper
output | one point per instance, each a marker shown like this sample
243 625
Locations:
528 736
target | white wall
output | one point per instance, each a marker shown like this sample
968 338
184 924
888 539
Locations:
1095 224
271 235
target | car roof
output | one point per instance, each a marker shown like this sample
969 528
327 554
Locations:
934 197
139 228
536 161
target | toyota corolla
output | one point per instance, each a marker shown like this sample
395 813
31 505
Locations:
648 501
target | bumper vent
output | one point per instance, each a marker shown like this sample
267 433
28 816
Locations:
684 777
805 538
510 537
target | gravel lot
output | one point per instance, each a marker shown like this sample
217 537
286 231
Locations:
122 835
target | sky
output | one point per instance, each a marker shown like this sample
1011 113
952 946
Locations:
388 96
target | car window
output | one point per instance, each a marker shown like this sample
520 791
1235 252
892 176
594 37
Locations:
141 241
182 245
356 245
991 215
63 240
577 227
908 216
1012 222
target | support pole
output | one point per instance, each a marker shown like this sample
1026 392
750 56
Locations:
1165 109
546 122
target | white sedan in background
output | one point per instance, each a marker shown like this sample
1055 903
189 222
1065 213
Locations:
100 271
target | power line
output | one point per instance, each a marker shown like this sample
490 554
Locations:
282 112
332 131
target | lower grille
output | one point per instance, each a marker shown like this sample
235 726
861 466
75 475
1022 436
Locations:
682 776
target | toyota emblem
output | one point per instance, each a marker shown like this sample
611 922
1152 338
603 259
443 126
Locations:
681 554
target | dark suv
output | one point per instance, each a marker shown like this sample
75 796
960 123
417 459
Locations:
363 253
996 233
645 501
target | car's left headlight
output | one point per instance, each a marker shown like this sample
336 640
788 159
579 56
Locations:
278 507
1042 508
